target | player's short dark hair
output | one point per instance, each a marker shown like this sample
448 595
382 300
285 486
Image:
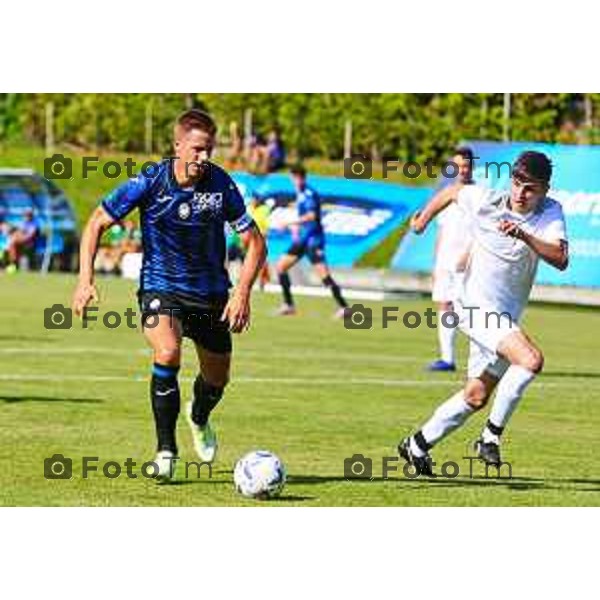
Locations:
465 152
298 170
196 119
534 166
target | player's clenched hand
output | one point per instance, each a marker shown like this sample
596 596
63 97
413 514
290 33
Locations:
417 223
237 312
510 229
83 295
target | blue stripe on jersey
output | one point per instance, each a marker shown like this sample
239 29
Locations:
183 230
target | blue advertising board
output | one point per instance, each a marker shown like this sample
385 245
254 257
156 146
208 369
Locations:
575 184
357 214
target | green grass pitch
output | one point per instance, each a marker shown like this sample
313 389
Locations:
303 387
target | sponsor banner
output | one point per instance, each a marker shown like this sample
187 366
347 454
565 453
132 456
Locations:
357 214
575 184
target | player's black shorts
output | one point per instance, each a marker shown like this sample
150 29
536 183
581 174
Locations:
314 252
200 321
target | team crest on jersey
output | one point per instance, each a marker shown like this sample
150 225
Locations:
184 211
154 304
209 202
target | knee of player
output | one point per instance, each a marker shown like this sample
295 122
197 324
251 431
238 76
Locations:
167 355
534 361
222 381
476 396
217 384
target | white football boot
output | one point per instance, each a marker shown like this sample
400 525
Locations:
166 462
205 439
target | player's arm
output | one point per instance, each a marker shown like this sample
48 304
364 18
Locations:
306 218
114 207
554 252
237 310
85 292
435 206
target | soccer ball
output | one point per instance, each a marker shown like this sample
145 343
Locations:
259 474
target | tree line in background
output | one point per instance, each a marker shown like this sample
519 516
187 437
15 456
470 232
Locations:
407 126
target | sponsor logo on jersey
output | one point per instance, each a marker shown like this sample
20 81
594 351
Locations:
209 202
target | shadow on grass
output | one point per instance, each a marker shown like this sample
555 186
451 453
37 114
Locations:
512 483
572 374
212 481
30 398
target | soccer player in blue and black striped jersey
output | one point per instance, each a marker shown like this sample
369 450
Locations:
309 241
184 286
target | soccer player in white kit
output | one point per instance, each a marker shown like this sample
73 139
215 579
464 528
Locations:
512 230
451 253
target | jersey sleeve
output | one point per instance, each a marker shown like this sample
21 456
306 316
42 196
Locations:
554 228
235 209
122 200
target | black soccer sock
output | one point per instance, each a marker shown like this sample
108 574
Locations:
166 402
335 291
495 429
206 397
286 288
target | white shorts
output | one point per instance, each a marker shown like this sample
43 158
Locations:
446 285
485 329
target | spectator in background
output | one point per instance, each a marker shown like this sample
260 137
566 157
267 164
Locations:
275 152
254 153
265 155
4 231
121 238
21 241
132 240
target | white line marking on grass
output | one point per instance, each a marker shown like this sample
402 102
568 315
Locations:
241 354
242 379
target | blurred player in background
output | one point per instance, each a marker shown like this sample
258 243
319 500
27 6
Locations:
309 241
512 230
451 254
184 286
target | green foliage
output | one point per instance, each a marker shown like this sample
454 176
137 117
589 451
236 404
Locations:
408 126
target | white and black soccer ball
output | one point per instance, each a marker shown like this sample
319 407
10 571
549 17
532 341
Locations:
259 474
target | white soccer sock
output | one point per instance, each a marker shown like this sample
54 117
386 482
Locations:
512 386
447 339
450 415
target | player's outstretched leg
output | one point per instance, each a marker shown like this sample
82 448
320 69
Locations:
526 362
448 417
328 281
165 340
283 266
208 392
